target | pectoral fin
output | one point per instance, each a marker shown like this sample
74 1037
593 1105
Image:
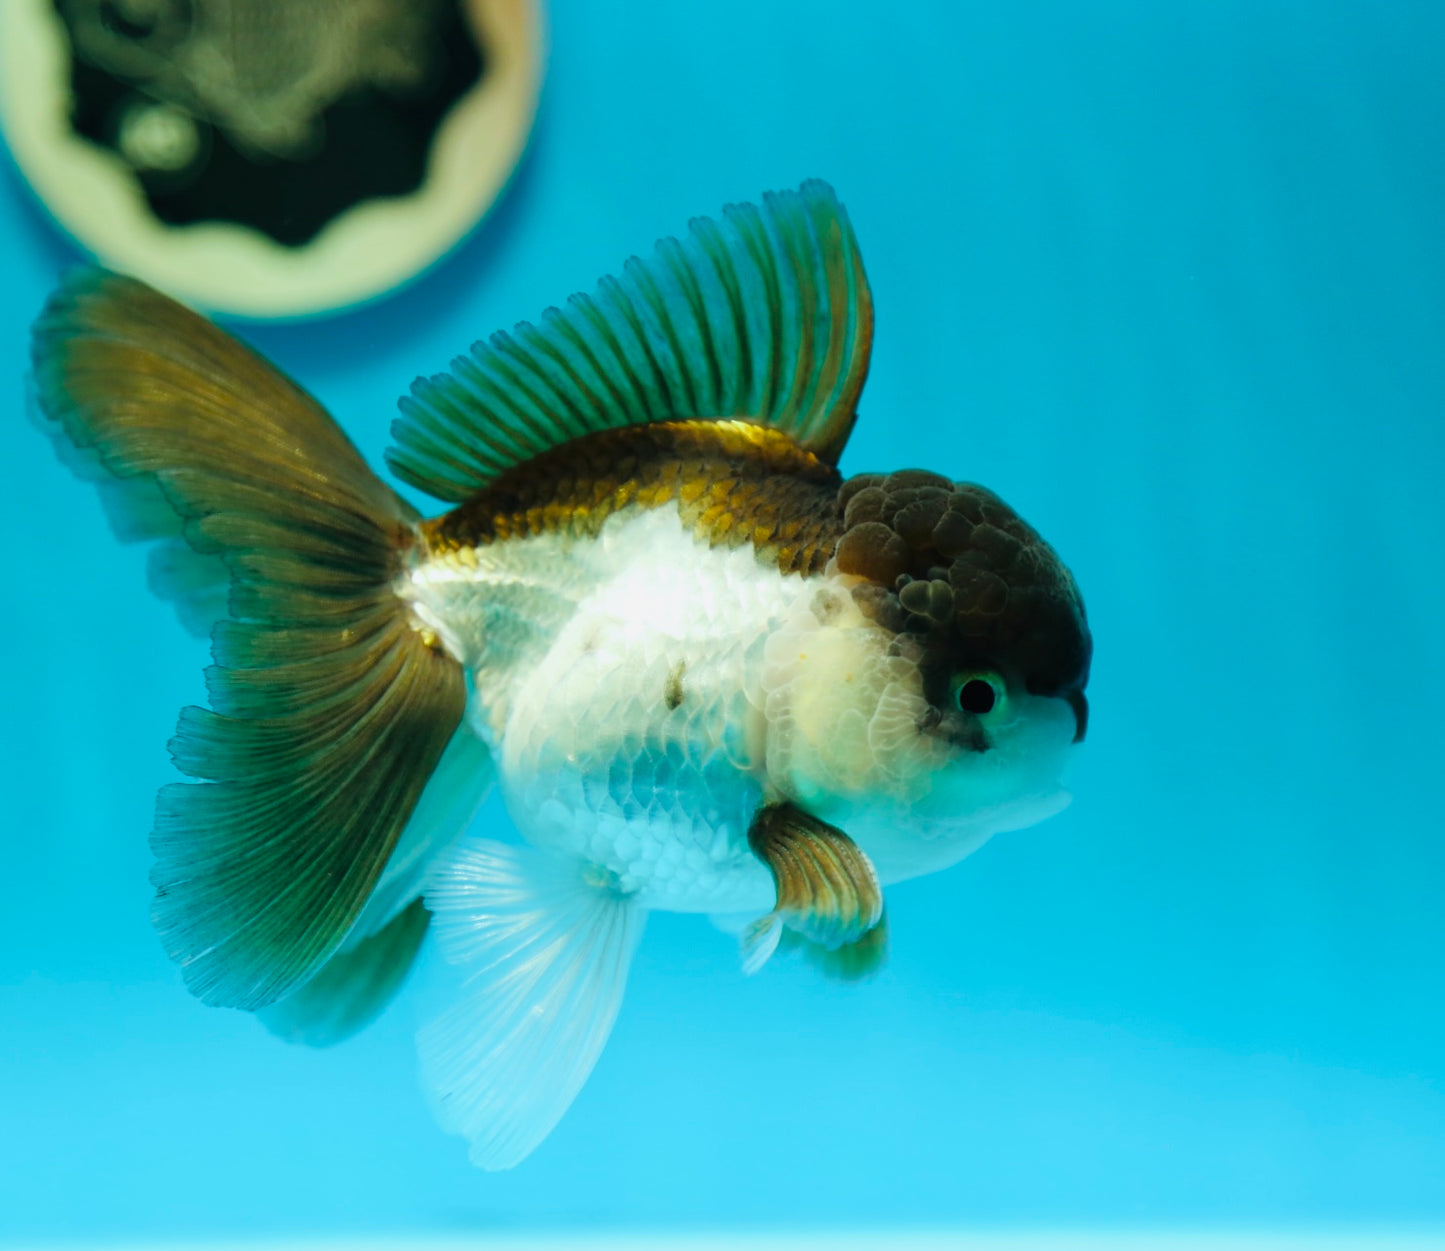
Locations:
828 892
852 962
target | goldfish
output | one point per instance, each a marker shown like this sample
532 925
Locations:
708 673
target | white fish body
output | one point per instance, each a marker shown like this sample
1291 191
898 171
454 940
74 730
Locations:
623 707
630 689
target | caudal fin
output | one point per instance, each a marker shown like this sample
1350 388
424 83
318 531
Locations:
353 987
330 708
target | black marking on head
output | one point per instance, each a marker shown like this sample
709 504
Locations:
1079 702
672 691
954 566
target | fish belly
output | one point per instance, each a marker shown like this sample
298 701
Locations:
618 682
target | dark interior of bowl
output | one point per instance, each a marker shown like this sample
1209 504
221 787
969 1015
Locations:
369 141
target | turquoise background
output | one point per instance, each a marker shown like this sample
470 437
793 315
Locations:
1171 279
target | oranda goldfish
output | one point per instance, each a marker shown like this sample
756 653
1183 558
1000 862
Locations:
708 673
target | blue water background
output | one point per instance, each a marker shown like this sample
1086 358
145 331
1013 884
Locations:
1171 279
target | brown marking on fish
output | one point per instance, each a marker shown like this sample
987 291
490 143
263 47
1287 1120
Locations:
733 482
672 692
952 564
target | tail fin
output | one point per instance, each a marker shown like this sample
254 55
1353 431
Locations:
329 708
353 986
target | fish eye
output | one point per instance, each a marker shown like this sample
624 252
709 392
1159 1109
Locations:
979 693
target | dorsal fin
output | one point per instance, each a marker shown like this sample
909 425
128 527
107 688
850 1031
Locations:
764 315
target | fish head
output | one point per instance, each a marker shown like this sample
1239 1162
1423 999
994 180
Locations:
936 692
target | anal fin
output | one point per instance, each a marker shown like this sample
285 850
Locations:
541 946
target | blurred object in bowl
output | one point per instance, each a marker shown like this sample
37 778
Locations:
265 157
264 71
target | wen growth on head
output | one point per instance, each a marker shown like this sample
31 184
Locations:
708 673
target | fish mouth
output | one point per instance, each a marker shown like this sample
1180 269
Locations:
1080 704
